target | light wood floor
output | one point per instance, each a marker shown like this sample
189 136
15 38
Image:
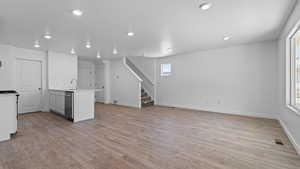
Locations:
151 138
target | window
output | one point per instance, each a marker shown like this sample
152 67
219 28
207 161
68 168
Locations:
165 69
294 70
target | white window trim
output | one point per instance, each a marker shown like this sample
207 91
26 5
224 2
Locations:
165 73
289 72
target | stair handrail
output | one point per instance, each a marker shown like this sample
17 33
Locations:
132 71
146 82
137 71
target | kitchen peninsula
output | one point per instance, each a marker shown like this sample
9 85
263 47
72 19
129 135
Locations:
65 98
75 105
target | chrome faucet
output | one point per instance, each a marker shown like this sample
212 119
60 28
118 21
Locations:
75 83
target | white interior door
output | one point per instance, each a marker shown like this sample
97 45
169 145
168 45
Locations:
29 84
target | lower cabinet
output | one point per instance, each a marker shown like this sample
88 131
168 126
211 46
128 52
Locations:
57 102
83 104
8 120
99 95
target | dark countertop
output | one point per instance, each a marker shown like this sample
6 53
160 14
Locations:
8 92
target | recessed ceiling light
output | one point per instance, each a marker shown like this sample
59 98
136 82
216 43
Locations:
37 44
72 51
47 36
88 45
226 37
130 33
98 55
77 12
115 51
205 5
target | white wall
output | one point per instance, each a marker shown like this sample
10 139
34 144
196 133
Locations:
236 80
125 87
289 119
86 74
7 71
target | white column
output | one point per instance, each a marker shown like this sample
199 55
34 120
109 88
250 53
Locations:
107 91
155 81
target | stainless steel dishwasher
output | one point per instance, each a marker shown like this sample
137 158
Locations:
69 105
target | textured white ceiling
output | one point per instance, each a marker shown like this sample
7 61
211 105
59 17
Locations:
158 24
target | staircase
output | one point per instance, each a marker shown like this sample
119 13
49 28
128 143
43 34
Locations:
147 86
146 100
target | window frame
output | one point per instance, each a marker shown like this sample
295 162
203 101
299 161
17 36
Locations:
290 70
165 73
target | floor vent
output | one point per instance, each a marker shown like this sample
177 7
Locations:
278 142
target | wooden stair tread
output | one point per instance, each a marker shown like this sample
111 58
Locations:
146 100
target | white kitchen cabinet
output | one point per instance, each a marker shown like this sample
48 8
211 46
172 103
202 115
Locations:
99 95
8 120
62 71
100 83
86 74
57 101
84 105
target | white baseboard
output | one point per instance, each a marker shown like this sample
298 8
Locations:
248 114
4 137
290 136
107 102
124 105
252 114
46 109
99 100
